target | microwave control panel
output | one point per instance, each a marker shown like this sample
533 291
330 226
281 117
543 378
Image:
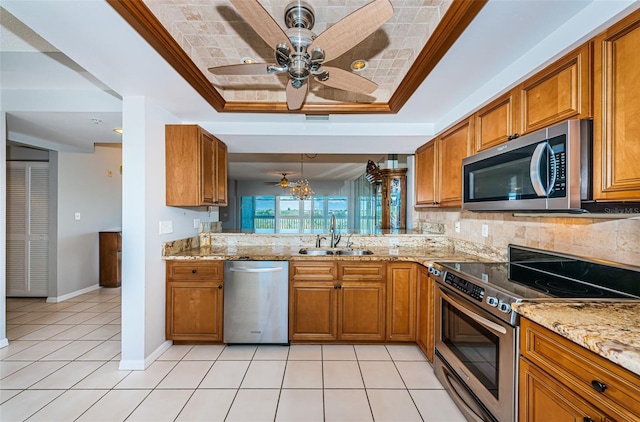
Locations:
559 163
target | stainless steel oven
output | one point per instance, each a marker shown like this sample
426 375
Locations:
477 333
476 356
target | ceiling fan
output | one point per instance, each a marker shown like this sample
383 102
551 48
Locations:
283 183
301 53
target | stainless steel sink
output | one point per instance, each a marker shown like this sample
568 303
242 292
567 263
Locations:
312 251
346 252
354 252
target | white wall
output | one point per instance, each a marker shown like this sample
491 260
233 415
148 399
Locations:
3 229
85 187
143 207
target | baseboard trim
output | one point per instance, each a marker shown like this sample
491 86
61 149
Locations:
4 343
62 298
141 365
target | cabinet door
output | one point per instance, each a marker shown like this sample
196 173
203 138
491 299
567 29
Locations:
207 168
558 93
425 178
194 311
220 198
425 336
453 146
401 302
313 311
361 311
497 121
542 399
616 125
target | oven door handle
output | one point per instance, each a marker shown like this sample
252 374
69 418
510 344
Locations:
477 318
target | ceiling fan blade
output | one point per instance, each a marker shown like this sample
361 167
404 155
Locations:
343 79
262 22
241 69
295 96
352 29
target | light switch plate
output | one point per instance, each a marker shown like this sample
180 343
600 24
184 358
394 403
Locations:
457 227
166 227
485 230
196 223
77 216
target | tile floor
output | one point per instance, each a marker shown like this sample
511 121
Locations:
62 365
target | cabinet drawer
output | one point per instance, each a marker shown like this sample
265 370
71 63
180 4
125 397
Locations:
319 271
374 271
582 370
195 270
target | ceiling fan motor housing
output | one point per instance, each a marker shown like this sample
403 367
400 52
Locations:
299 14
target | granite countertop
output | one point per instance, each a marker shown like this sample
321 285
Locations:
609 329
424 256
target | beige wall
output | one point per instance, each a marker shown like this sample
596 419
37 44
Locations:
611 239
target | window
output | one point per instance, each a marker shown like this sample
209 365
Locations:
286 214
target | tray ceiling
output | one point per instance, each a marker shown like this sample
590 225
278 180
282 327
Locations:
193 36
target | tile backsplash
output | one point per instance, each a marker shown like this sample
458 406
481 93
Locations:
610 239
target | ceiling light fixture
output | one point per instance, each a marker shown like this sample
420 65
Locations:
302 190
359 65
118 130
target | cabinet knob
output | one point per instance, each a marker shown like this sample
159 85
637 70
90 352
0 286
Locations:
194 271
587 419
598 386
220 287
335 287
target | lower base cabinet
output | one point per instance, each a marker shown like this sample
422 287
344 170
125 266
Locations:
562 381
194 301
425 335
313 311
542 399
347 302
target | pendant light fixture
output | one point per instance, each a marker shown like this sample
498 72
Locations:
302 190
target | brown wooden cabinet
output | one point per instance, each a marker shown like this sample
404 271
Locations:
543 399
313 311
110 247
616 126
196 167
497 122
557 375
425 178
559 92
194 301
342 301
439 167
401 302
425 335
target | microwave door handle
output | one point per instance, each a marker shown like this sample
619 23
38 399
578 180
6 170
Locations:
534 170
477 318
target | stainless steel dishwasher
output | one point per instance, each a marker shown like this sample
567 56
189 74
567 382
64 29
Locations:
256 302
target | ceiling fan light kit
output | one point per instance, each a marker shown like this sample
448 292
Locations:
301 53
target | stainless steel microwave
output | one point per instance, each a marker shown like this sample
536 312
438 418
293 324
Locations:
545 170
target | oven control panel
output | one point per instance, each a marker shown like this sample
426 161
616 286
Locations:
465 286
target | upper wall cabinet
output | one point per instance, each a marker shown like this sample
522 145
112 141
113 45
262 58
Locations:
196 167
559 92
497 122
616 124
439 167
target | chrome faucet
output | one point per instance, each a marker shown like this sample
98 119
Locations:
319 240
335 238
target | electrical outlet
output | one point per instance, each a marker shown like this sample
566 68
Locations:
77 216
166 227
196 223
485 230
457 227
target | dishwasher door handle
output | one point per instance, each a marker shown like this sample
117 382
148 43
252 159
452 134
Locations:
255 270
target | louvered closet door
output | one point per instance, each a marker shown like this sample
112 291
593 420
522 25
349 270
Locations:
27 229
